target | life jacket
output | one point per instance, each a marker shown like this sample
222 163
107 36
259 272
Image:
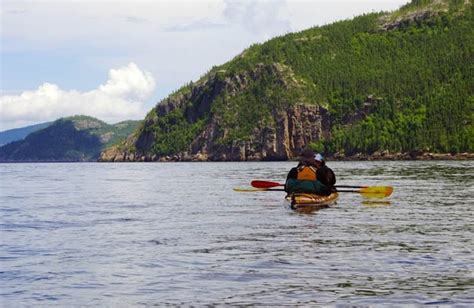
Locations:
306 173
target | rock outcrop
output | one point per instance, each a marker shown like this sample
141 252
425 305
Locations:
292 127
293 130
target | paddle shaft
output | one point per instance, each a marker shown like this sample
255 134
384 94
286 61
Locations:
268 184
253 189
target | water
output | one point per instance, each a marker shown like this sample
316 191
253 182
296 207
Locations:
176 233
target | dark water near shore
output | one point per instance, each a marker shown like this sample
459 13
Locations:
176 233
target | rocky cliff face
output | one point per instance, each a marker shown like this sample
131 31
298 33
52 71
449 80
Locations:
293 130
291 127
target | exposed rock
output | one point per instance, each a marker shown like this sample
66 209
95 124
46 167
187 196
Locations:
413 155
292 127
406 21
416 17
82 123
369 105
111 154
293 130
104 138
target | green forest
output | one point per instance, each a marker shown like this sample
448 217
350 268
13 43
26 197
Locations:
422 73
415 64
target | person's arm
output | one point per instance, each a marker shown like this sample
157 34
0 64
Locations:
326 176
293 174
333 178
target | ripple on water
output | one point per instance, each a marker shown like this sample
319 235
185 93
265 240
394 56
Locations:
166 233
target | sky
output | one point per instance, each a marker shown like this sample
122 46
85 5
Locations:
115 60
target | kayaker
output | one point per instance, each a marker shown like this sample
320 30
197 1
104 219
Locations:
324 174
311 175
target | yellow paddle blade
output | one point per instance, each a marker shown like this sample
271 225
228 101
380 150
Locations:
376 191
249 189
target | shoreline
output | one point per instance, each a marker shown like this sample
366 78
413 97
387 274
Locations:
415 155
378 156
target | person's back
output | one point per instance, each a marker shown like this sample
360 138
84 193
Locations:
326 176
304 177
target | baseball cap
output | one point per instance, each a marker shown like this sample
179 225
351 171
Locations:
318 157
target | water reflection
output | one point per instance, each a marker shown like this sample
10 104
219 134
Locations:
376 203
309 209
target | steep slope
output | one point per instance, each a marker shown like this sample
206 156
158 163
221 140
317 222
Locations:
78 138
397 82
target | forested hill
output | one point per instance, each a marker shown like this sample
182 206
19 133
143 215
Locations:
78 138
385 82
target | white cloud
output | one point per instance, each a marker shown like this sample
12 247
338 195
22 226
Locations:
129 82
264 18
71 43
120 98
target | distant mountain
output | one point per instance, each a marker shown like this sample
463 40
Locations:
15 134
398 82
78 138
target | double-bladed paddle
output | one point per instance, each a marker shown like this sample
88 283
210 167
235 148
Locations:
366 191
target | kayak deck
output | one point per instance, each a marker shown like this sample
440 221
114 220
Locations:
299 200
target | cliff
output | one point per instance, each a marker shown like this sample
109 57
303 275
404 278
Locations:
397 82
276 133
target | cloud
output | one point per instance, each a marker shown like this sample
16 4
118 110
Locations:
134 20
265 18
259 17
129 82
199 24
121 97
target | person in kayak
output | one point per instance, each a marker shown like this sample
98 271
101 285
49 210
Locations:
324 174
311 175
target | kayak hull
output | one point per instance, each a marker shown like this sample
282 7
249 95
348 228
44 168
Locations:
302 200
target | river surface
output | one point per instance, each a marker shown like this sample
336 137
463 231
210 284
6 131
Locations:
132 234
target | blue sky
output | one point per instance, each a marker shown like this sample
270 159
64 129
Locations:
116 59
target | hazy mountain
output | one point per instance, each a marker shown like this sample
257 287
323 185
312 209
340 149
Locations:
15 134
78 138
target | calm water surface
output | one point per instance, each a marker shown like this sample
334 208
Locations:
176 233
